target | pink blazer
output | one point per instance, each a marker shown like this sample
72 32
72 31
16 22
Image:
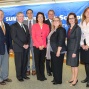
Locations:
39 36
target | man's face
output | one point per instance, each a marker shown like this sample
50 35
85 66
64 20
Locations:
20 18
1 16
51 15
29 14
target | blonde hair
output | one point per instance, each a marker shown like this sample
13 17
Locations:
60 25
83 15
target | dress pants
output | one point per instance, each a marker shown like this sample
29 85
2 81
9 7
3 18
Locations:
21 59
33 61
4 65
39 56
87 71
48 66
57 63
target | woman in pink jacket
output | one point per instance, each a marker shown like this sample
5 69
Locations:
40 31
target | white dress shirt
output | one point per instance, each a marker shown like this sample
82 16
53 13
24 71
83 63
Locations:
84 32
50 21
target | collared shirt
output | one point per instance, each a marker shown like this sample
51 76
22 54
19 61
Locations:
85 33
50 20
20 23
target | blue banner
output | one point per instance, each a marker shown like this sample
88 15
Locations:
61 10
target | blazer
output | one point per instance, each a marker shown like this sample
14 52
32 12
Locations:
48 23
19 37
5 39
84 32
57 39
73 42
39 35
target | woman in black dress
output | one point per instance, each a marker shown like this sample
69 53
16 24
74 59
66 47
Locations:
73 44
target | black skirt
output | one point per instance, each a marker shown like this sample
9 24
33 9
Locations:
84 56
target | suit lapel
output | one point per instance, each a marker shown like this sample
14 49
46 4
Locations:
73 29
49 22
26 22
34 21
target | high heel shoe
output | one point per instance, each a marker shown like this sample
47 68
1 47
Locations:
70 81
74 84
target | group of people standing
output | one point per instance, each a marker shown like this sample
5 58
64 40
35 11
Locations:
46 40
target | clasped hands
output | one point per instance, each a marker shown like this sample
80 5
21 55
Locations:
41 47
25 46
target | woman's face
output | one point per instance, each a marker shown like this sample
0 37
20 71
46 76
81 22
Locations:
71 19
87 13
56 22
40 18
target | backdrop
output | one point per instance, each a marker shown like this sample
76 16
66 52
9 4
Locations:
61 10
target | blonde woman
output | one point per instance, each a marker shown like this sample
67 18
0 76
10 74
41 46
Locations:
85 43
56 44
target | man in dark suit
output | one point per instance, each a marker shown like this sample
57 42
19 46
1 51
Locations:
29 22
51 14
5 48
20 37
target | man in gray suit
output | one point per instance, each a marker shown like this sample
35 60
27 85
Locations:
29 22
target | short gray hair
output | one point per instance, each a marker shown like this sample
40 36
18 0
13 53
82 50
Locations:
19 13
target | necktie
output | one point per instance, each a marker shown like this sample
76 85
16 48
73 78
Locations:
30 27
3 28
22 26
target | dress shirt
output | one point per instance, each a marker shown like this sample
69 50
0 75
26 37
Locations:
85 33
50 21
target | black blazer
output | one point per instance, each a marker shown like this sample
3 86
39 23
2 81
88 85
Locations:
73 42
5 39
57 39
48 23
19 37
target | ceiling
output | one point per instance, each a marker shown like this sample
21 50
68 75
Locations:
5 1
21 2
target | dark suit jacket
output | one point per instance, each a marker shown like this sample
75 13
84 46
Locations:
73 42
19 37
48 23
57 39
5 39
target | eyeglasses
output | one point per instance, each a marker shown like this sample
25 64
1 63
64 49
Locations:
56 21
71 18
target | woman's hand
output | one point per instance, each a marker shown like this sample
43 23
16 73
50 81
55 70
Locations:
86 47
40 48
83 47
73 55
58 53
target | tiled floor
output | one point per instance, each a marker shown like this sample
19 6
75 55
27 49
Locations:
34 84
